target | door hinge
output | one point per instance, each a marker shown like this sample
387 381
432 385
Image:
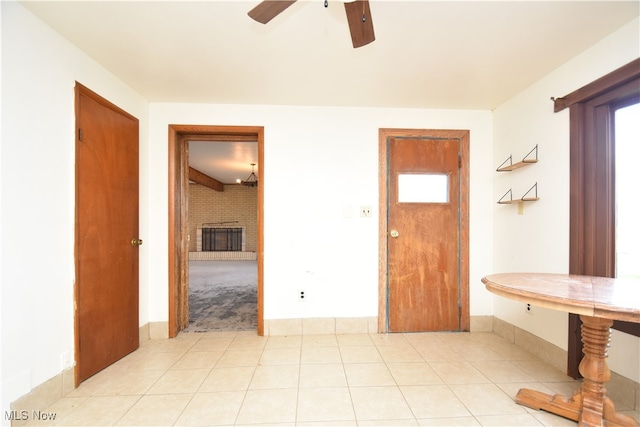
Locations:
79 134
459 161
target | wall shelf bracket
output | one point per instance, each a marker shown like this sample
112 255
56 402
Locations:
504 201
534 197
508 165
526 198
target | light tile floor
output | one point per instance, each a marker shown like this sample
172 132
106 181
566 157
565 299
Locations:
435 379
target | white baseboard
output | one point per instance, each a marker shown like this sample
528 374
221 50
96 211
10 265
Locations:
321 325
158 330
347 325
34 404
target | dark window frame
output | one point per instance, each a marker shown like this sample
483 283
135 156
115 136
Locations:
592 183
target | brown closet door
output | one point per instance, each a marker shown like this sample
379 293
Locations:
106 226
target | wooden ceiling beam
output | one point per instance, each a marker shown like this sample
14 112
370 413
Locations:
203 179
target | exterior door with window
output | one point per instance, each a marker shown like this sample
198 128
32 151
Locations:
426 233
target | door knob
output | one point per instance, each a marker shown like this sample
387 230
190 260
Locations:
394 233
136 242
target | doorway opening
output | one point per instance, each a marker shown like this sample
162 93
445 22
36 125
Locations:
223 231
179 231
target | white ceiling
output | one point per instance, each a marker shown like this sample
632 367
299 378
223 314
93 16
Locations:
427 54
224 161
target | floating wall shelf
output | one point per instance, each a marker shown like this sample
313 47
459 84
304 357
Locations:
526 198
508 164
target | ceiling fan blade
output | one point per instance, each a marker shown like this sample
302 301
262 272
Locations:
266 10
360 22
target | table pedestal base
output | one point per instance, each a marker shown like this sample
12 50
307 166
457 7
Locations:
590 406
572 408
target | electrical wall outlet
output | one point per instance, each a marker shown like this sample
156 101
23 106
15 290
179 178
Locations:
303 296
529 310
366 211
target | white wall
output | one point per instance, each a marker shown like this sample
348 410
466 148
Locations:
39 69
539 240
317 161
2 401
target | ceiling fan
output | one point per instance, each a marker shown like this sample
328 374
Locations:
358 17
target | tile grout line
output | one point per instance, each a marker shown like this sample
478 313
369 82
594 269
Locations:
346 379
255 368
415 417
199 386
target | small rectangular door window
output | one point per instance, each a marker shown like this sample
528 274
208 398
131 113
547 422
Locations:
423 188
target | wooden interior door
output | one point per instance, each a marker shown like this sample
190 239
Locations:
426 235
106 233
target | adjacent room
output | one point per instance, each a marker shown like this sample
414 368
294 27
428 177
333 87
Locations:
226 206
223 236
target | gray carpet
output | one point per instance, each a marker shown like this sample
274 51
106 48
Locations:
222 296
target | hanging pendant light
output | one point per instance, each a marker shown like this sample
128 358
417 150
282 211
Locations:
252 179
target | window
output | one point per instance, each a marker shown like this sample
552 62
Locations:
593 183
627 177
423 188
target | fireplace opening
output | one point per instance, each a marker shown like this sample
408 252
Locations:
222 239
